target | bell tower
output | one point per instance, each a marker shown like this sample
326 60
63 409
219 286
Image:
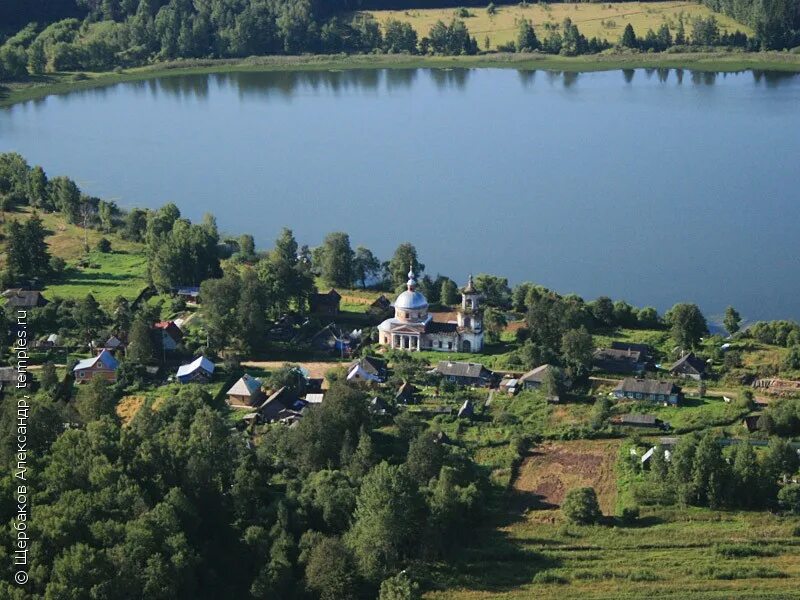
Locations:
470 317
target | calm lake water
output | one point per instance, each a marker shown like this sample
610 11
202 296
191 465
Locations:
655 186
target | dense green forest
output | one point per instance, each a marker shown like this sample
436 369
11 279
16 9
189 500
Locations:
102 35
776 22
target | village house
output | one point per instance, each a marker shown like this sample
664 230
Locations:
378 407
103 365
413 328
690 367
653 390
751 423
114 344
168 335
465 373
8 377
622 362
200 370
282 405
644 350
49 341
327 303
189 294
18 298
246 392
533 380
509 385
332 338
636 420
407 394
368 368
467 410
381 307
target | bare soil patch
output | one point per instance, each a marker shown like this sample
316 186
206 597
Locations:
554 468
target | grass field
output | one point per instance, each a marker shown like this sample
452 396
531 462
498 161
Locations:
121 272
604 21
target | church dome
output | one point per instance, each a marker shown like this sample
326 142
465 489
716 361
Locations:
411 300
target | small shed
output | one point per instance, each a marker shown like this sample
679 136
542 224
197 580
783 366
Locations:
200 370
467 410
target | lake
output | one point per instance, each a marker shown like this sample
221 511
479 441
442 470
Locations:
655 186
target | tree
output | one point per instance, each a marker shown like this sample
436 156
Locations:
449 293
365 265
404 257
48 377
495 290
577 348
687 325
98 401
89 316
680 34
526 37
494 322
27 254
580 506
247 246
399 587
330 571
732 320
789 498
747 477
710 472
386 520
337 260
628 39
141 349
425 458
602 310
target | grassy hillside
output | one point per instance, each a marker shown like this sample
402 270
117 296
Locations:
604 21
121 272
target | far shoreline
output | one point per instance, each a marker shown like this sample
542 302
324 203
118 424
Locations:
727 62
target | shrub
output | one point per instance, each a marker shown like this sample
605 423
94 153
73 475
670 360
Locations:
630 514
104 245
581 506
549 577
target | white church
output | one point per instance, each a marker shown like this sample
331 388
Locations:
413 329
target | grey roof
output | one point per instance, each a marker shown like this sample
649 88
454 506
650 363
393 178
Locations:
643 349
691 361
615 354
536 375
371 364
439 327
8 374
466 409
24 298
245 386
637 419
646 386
461 369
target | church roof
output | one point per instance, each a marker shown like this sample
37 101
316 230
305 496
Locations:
411 300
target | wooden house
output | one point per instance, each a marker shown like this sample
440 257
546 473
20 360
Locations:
246 392
200 370
465 373
327 303
19 298
622 362
652 390
168 335
690 366
368 368
103 365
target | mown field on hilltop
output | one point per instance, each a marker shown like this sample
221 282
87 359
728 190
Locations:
604 21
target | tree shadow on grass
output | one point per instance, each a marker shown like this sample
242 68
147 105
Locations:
492 560
101 278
